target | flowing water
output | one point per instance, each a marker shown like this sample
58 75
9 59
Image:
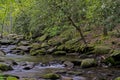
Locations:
40 65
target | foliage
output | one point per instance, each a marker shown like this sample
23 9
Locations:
33 18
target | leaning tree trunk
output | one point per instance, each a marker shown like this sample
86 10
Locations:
79 30
73 23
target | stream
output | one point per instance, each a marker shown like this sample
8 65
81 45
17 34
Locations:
33 67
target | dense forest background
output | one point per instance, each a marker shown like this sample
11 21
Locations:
60 39
33 18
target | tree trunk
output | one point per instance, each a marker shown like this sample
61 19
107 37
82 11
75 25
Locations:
79 30
2 30
10 30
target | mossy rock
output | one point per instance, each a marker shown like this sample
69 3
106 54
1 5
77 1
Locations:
43 45
4 67
102 50
51 76
24 43
38 52
2 77
11 78
8 77
73 45
35 45
86 63
6 42
69 43
42 38
118 78
2 53
61 47
51 50
54 42
57 53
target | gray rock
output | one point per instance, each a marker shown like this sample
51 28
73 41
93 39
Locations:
79 78
68 64
66 78
24 43
24 48
2 53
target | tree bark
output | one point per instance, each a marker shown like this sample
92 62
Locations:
11 20
79 30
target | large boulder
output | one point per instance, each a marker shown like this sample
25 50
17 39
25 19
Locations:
86 63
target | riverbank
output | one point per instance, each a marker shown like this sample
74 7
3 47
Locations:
38 59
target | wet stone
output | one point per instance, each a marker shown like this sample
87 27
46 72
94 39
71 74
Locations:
79 78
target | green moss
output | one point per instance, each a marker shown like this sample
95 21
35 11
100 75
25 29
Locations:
38 52
61 47
11 78
54 41
102 50
43 45
118 78
73 45
2 77
88 63
36 45
42 38
4 67
51 76
59 53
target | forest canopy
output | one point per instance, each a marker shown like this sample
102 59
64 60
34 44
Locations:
36 17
